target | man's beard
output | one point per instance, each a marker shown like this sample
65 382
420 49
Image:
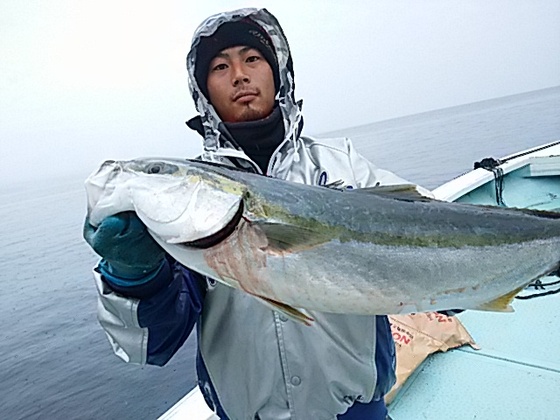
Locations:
251 114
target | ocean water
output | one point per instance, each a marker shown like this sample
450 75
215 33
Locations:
433 147
55 361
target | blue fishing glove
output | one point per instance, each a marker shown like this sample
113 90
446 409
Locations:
127 249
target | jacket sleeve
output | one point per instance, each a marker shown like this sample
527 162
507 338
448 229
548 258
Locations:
147 324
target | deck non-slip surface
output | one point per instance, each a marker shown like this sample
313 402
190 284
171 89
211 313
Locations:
515 374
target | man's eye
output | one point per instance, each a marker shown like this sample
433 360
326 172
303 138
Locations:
219 67
253 58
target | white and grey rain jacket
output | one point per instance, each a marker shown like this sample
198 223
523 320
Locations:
252 361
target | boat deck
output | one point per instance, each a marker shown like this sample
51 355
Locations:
515 374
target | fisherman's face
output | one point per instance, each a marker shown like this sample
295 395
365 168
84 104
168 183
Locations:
241 85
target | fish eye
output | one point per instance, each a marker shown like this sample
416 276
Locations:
161 168
154 168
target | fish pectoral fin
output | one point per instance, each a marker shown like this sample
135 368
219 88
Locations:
289 311
501 304
403 192
282 237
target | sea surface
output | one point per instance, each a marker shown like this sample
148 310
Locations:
55 361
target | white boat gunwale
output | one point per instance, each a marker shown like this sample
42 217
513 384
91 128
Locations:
467 182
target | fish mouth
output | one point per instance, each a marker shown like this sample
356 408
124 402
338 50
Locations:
219 236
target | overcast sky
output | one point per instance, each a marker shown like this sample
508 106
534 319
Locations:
82 81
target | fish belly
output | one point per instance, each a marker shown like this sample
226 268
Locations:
363 278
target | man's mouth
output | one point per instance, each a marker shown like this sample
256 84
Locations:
245 95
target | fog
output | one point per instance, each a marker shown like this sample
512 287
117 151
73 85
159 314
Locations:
84 81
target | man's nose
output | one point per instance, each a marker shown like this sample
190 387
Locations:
240 75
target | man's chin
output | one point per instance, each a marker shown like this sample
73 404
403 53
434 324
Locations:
252 114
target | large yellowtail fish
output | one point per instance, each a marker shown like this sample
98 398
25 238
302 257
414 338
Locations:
382 250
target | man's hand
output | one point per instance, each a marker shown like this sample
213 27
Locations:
124 243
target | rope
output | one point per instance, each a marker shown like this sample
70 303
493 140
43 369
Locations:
534 295
493 165
539 285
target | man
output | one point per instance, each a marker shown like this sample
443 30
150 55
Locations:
253 363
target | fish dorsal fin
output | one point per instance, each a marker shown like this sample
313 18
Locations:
290 238
547 214
404 192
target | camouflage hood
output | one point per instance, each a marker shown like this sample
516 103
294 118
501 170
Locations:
290 109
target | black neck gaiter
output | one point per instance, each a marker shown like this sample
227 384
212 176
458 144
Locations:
259 139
